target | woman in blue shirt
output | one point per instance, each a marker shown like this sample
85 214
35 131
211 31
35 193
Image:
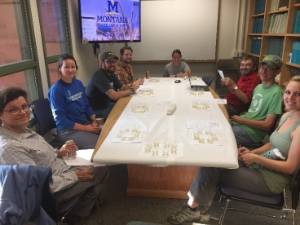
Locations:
72 113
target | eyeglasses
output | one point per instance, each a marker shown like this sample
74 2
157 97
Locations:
14 111
293 94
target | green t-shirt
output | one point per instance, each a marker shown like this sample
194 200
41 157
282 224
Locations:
265 101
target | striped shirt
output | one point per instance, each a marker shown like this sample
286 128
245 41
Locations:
31 149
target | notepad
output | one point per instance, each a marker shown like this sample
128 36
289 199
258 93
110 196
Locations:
83 158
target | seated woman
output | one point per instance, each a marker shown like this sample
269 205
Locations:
75 189
72 113
177 67
264 170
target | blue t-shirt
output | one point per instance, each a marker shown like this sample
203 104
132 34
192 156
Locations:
69 104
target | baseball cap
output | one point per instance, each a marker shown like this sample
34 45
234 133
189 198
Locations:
272 61
108 56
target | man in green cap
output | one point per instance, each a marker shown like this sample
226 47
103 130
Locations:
251 127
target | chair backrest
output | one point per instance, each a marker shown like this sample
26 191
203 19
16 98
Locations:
295 188
43 116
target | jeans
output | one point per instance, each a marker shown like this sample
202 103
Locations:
82 139
81 198
207 180
242 138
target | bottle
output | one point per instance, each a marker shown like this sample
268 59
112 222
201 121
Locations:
290 57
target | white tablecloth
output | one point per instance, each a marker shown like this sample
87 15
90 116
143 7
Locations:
197 133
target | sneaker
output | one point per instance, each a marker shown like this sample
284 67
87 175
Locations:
185 215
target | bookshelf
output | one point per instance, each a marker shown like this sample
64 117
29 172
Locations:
274 28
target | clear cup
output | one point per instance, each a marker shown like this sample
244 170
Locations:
70 153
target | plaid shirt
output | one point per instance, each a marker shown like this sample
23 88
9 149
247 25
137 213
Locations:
124 73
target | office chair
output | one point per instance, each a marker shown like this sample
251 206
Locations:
45 124
275 201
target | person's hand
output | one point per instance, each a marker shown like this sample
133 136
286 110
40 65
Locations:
68 149
235 118
249 158
229 83
85 173
180 75
135 85
93 128
141 81
242 151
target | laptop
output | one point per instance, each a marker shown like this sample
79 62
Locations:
198 85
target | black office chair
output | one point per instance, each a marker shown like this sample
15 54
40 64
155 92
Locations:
275 201
44 121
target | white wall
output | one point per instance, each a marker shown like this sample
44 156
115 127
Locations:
228 29
228 39
83 53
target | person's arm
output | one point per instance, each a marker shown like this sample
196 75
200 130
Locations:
58 108
166 72
115 95
234 89
266 124
187 72
287 167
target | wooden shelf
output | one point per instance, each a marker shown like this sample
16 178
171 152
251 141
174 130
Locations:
273 43
258 15
255 34
273 34
252 54
279 11
293 65
293 35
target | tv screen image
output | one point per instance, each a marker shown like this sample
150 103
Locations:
110 20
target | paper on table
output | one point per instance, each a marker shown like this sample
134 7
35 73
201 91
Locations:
83 158
205 132
130 130
220 72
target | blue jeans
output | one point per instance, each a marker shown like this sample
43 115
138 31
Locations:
82 139
243 139
207 180
103 113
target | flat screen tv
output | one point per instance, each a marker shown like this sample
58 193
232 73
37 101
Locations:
110 20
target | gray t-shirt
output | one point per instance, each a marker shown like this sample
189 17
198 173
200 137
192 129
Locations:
171 69
29 148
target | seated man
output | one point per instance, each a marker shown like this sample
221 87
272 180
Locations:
266 106
177 67
124 69
104 89
76 190
240 93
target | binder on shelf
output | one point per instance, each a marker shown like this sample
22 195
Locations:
275 46
274 5
277 23
295 52
259 6
255 45
296 26
283 4
258 25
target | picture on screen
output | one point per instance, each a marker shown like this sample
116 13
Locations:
110 20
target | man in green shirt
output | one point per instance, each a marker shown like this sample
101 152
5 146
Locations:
251 127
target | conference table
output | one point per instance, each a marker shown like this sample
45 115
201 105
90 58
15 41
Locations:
165 132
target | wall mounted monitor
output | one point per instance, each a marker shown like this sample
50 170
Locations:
110 20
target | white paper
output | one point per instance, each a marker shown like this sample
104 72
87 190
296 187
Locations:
220 72
130 130
83 158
